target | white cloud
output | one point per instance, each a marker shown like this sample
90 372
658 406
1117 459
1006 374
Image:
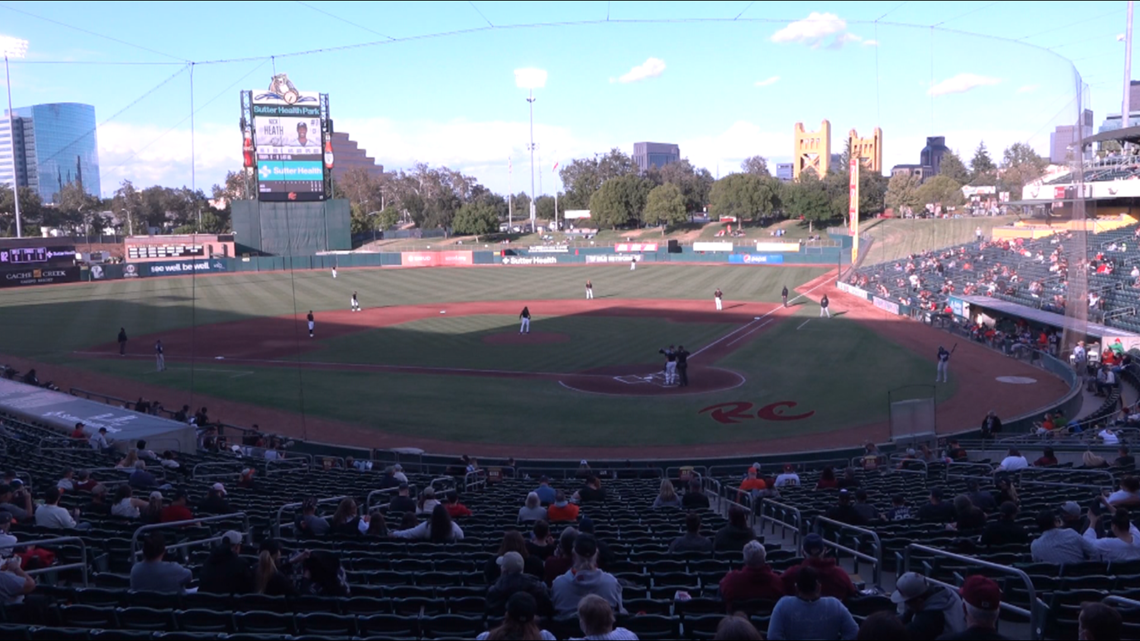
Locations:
651 68
870 43
816 28
726 150
149 155
768 81
530 78
1120 37
1028 88
961 83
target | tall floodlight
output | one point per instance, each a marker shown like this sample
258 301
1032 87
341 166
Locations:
1126 110
13 48
531 79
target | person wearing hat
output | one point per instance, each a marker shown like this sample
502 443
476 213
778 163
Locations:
100 442
809 614
929 610
833 580
755 580
789 478
1073 517
544 491
512 580
981 600
562 510
215 501
519 621
177 510
751 483
225 572
584 578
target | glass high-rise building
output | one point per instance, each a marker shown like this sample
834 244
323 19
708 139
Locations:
45 147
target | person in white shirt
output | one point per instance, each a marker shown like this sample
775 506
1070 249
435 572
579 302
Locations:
1123 544
7 540
51 515
1013 462
789 478
99 441
67 483
427 501
398 473
1128 495
1108 437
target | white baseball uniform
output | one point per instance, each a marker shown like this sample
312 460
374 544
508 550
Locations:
334 272
355 304
717 296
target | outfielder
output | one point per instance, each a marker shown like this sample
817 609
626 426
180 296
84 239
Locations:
633 264
717 296
334 272
355 303
670 365
524 318
943 364
589 290
823 303
312 323
159 359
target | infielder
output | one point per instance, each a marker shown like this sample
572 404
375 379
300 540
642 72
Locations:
943 365
785 295
355 303
823 303
159 359
717 296
589 290
312 323
670 365
524 318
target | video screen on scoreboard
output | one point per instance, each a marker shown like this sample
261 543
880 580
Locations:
289 149
19 256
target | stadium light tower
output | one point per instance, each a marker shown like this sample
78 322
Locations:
531 79
13 48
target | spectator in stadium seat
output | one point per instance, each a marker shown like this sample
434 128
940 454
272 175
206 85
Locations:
1048 458
144 453
428 502
1005 530
810 614
513 541
591 492
666 496
883 626
736 533
833 579
79 432
1073 517
1099 622
1127 496
982 602
177 510
544 491
691 540
867 512
991 425
519 621
310 524
540 543
127 463
967 516
695 498
755 580
1123 544
66 482
596 618
126 505
454 507
169 460
438 529
899 510
983 499
562 560
561 509
84 482
736 626
100 442
751 484
98 504
153 574
583 579
398 473
50 515
513 579
324 575
1007 493
844 512
849 481
215 501
1057 543
936 510
346 520
403 501
827 479
1013 461
929 610
269 579
788 478
956 452
152 513
15 583
225 572
408 521
1124 459
141 479
605 555
533 510
377 525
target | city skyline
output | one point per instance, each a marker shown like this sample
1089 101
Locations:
451 100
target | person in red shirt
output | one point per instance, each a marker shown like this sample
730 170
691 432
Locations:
454 508
833 579
751 482
561 509
827 479
754 581
177 510
78 432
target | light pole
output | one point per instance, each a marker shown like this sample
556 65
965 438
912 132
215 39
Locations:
531 79
13 48
530 99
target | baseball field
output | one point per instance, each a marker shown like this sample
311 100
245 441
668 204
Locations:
435 358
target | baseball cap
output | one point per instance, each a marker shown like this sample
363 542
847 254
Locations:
981 592
218 487
813 543
511 562
909 586
403 486
521 606
585 546
583 462
1071 508
232 537
398 467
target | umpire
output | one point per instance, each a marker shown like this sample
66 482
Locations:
682 364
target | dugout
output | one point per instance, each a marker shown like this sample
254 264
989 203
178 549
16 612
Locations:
984 310
293 228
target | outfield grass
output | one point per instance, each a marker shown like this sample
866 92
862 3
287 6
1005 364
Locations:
896 238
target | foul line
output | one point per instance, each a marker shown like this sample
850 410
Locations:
751 332
802 324
756 320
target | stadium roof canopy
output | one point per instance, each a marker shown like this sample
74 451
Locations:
1128 134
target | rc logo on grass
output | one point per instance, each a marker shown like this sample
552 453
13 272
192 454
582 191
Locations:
740 411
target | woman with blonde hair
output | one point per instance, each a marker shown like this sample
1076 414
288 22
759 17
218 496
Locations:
346 520
153 511
667 496
269 579
128 462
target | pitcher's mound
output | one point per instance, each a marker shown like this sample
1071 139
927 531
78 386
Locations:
533 338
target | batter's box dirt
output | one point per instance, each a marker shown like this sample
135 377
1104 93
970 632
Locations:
650 381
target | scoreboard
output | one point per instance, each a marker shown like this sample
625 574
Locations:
23 256
137 252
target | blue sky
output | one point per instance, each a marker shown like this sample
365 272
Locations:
442 89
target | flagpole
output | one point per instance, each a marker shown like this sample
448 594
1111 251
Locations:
556 228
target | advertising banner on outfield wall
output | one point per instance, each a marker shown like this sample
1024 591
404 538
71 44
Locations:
622 248
437 259
549 249
609 258
30 276
853 290
777 247
530 260
181 267
755 259
712 247
886 305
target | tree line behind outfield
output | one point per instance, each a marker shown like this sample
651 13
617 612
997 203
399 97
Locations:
609 185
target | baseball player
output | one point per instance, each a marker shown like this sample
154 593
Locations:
159 359
670 365
312 323
717 296
823 303
355 303
633 264
589 290
334 272
943 365
785 295
524 317
683 365
122 341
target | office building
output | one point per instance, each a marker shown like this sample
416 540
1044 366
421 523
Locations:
49 146
655 154
347 154
929 160
1066 136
